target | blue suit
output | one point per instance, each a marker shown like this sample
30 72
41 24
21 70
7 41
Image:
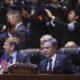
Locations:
20 58
62 65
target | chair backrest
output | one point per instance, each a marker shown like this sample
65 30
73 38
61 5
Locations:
30 51
22 68
73 53
35 55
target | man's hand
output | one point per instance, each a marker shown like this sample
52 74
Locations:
49 13
4 65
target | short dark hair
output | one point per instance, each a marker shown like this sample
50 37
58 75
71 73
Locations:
76 12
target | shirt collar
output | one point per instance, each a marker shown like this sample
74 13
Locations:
14 54
54 56
18 25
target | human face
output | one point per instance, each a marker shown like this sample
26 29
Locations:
48 49
7 47
12 20
71 16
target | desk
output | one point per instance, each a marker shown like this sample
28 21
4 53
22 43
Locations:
39 77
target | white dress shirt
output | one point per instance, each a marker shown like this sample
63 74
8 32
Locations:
10 35
71 26
52 21
53 61
14 55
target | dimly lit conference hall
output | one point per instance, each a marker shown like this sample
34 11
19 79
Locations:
39 39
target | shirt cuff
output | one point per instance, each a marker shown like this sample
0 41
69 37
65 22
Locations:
53 18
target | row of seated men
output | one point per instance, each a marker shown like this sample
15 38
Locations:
49 60
18 29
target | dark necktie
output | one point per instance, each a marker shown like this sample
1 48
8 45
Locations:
50 64
10 59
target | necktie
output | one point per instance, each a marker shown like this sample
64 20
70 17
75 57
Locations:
10 59
49 65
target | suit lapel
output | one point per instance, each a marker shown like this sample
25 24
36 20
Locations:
17 57
18 27
44 64
57 62
6 57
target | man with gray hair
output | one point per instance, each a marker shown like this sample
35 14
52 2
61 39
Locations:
18 29
55 63
44 38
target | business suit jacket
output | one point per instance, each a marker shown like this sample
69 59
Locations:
62 65
69 35
21 32
37 26
20 58
3 37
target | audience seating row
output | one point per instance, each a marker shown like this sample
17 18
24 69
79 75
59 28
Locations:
35 55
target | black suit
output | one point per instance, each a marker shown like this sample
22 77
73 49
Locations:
69 35
37 27
62 65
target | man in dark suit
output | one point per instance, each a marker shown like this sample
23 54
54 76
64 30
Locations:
55 63
71 29
12 54
35 22
18 29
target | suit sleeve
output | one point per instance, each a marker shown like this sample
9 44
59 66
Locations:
22 34
70 67
59 23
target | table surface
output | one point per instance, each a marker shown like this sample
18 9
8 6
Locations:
39 77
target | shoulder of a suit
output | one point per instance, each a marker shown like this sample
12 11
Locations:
21 53
61 56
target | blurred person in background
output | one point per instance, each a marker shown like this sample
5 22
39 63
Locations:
18 29
71 29
36 24
70 44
